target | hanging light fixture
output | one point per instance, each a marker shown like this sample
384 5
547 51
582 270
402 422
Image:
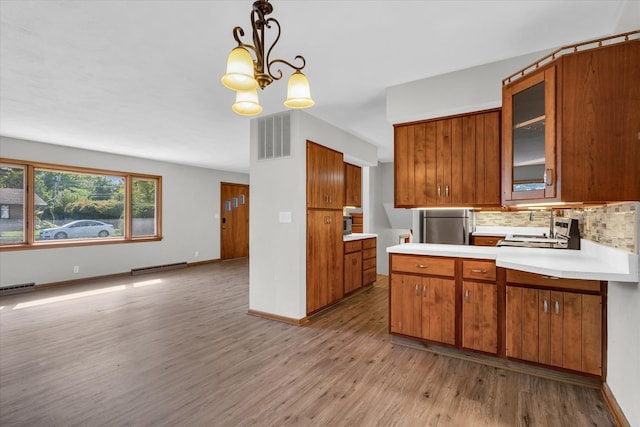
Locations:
244 74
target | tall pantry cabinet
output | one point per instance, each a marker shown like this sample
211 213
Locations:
325 199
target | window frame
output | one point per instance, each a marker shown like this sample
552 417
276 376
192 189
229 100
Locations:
30 242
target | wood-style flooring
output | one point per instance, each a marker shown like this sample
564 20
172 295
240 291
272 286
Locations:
178 349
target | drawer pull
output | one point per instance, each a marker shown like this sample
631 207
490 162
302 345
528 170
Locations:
421 266
479 271
550 277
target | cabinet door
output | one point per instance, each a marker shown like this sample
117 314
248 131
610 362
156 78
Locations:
412 168
324 258
529 145
480 316
353 185
404 313
325 177
522 323
439 310
487 158
352 271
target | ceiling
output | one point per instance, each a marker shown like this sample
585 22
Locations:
142 78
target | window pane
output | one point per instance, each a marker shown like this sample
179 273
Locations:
78 205
143 207
12 198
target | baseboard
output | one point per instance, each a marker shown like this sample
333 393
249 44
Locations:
614 408
109 276
270 316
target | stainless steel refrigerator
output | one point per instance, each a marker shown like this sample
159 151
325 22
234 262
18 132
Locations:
447 226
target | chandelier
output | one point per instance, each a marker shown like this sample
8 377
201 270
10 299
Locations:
244 74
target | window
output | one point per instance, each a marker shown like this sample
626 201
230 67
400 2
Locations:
75 206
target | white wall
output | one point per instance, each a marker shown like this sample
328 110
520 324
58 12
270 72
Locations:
277 265
190 202
463 91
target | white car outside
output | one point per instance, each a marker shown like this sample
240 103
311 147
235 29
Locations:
78 229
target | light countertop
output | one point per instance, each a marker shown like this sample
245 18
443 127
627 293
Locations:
358 236
592 262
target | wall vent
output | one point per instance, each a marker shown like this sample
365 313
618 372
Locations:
17 289
274 137
157 268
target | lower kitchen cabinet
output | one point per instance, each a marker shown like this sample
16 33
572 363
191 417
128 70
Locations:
479 306
525 317
352 265
324 258
423 305
369 261
555 327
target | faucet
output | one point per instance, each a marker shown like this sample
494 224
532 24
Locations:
551 222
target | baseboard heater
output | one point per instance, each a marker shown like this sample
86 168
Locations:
17 289
157 268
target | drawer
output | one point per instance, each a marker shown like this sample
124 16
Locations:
369 253
479 270
369 276
352 246
368 263
424 265
369 243
486 240
523 277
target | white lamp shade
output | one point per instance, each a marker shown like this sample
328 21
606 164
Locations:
247 103
239 74
298 91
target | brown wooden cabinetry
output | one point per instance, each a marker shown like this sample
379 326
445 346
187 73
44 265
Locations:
352 265
325 177
369 261
353 185
570 130
479 306
553 326
325 196
423 303
324 258
453 161
487 240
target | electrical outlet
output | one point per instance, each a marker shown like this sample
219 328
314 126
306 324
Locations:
197 253
76 269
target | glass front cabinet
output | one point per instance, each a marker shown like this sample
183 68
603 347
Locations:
530 171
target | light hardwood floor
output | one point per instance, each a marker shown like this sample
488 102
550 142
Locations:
182 351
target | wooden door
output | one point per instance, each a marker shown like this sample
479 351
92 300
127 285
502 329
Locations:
443 162
592 334
325 177
487 158
234 220
324 258
404 315
480 316
403 165
522 323
439 310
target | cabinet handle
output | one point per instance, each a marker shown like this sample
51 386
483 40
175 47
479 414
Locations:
548 177
466 295
417 286
424 290
422 266
479 271
446 190
550 277
557 307
327 220
438 191
545 305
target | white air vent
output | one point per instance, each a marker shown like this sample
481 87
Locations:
274 137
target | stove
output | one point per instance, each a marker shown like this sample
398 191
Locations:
566 236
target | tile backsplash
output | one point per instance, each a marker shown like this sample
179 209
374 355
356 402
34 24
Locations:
613 225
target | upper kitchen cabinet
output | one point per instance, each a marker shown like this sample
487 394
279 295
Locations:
451 161
325 177
352 185
571 127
